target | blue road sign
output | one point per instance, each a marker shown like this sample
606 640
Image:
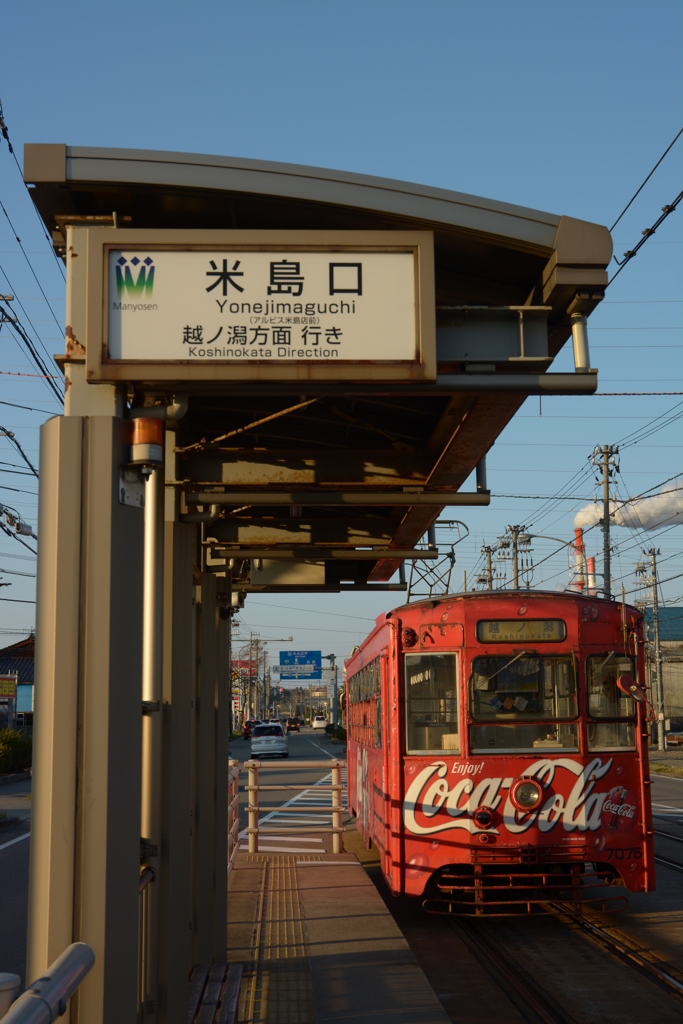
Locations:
300 665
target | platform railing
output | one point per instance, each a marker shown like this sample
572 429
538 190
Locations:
254 788
46 999
233 811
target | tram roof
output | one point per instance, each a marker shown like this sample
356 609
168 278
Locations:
487 253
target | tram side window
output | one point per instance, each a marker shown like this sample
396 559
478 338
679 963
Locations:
431 682
607 701
378 722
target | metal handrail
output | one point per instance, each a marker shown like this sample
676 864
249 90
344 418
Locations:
233 812
46 999
334 789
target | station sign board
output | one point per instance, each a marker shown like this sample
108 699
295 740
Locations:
302 665
260 305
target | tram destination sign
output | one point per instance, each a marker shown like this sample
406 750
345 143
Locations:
262 305
505 631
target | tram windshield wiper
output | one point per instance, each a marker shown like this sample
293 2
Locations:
598 671
507 665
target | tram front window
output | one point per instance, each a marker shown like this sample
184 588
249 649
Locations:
432 703
607 701
521 701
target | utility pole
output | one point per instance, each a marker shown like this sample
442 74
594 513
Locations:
487 550
658 650
604 457
332 660
515 537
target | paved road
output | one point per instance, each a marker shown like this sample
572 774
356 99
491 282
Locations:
307 808
14 851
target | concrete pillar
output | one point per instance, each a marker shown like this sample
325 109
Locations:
50 928
86 832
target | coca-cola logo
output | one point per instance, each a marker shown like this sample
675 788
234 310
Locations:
432 804
619 810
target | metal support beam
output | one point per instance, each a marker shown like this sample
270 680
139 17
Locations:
322 588
320 554
321 497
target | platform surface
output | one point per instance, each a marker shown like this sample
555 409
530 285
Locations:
318 944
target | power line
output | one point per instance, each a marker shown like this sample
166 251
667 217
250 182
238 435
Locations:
647 233
5 135
16 537
646 181
16 298
16 325
59 326
12 439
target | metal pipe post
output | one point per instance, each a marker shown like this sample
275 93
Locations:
152 692
336 815
253 809
661 742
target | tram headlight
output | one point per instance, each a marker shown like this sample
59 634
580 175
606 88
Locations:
526 794
482 818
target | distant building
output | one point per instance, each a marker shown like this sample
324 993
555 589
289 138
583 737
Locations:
18 660
671 642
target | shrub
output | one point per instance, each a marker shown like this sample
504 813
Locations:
15 751
329 729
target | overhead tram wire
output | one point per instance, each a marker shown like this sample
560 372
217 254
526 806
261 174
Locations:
25 254
647 233
5 134
14 323
26 314
12 440
637 193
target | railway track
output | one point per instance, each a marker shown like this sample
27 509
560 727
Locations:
535 993
562 968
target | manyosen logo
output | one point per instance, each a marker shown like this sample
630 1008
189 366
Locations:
124 277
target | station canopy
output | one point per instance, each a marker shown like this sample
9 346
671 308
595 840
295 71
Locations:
356 467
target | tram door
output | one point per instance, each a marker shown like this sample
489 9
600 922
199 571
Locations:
383 817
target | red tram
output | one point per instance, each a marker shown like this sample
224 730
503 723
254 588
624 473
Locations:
497 750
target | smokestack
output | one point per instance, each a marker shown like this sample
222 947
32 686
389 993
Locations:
580 558
592 585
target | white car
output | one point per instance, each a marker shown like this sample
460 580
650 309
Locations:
269 741
319 722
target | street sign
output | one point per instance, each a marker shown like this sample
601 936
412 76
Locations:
243 304
8 686
305 665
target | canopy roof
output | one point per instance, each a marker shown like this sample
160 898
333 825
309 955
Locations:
487 253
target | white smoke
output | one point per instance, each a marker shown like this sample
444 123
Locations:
664 509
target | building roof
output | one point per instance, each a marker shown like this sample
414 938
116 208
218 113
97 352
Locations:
670 624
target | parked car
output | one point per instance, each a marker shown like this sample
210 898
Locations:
293 725
269 741
249 726
319 722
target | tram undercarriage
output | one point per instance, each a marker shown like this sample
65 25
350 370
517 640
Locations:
498 886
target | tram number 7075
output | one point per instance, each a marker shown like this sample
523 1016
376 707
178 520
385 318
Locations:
621 852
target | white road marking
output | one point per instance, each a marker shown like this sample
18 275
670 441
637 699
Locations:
13 841
308 798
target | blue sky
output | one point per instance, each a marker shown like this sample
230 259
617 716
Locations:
560 106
